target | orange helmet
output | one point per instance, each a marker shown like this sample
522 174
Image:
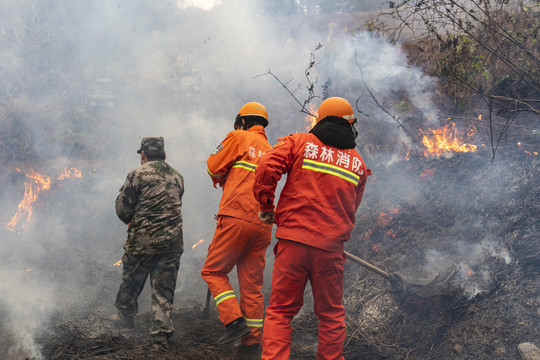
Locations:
252 109
336 106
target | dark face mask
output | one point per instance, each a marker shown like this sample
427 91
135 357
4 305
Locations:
354 129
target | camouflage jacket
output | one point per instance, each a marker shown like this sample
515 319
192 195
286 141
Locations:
150 201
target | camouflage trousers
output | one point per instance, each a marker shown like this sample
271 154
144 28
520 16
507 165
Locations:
163 270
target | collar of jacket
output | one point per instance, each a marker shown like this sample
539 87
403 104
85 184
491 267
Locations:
258 129
335 131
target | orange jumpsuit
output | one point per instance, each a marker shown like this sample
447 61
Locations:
240 239
315 216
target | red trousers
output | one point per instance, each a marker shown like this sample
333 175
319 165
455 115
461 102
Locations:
243 244
294 265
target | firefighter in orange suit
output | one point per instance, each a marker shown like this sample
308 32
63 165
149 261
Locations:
315 216
241 238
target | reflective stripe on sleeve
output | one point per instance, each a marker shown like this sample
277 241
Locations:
214 175
254 322
244 165
224 296
331 169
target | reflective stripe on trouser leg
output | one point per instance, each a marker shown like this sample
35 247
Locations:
224 296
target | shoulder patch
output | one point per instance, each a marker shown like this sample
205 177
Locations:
217 149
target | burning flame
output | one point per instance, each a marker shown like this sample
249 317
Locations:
32 188
68 173
118 263
376 248
446 140
407 157
385 218
195 245
367 235
311 118
427 172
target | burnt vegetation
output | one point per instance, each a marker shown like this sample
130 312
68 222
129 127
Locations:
475 211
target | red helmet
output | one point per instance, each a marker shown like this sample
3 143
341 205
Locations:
336 106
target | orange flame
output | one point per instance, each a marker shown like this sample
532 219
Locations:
32 188
311 120
68 173
385 218
407 157
376 248
367 235
446 140
118 263
427 172
469 272
195 245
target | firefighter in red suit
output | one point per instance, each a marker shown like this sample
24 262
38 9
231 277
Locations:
315 216
241 238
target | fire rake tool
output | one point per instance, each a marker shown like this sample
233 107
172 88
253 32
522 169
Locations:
405 288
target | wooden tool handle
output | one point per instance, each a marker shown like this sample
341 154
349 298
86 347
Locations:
367 265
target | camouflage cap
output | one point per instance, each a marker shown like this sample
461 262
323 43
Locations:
153 144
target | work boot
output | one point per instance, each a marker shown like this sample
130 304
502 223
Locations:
249 352
124 322
234 330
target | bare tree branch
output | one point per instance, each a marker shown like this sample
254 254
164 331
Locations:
310 87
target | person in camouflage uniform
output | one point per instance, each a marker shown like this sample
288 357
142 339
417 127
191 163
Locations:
150 202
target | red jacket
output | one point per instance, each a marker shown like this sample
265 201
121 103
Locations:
232 166
323 190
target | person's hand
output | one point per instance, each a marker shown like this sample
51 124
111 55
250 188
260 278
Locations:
216 217
267 217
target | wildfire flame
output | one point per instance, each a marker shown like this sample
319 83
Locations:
385 218
367 235
427 172
407 157
195 245
69 173
446 140
118 263
311 120
32 189
35 184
